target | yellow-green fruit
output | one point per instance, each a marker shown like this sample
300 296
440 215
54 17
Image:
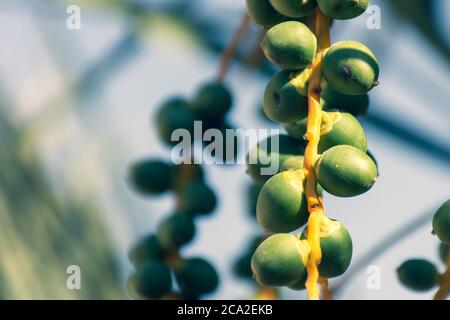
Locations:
290 45
293 164
337 248
418 274
346 171
351 68
262 13
282 102
338 128
441 223
267 157
280 260
282 205
294 8
343 9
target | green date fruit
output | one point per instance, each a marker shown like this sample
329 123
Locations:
338 128
290 45
152 281
267 157
213 101
293 164
343 9
151 176
174 114
145 250
351 68
337 248
196 277
332 99
197 199
294 8
282 102
280 260
176 231
418 274
346 171
282 205
441 223
262 12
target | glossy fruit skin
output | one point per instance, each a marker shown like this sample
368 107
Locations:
351 68
262 13
282 205
151 176
213 100
345 131
282 102
441 223
357 105
278 261
196 277
152 281
343 9
264 155
197 199
337 251
300 285
293 163
294 8
145 250
290 45
174 114
444 250
176 231
346 171
418 274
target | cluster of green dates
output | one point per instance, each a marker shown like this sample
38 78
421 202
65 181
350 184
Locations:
344 167
209 106
152 279
153 276
157 256
421 274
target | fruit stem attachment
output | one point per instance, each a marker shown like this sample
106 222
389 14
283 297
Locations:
315 206
444 288
326 293
230 50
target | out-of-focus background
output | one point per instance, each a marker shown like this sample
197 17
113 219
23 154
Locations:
76 110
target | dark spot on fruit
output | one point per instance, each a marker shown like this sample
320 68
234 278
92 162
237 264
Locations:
277 98
347 72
